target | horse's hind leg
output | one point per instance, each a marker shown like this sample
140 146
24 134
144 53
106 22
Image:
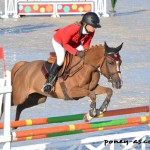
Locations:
33 100
101 90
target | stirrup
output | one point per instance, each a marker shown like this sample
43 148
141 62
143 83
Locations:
47 84
43 88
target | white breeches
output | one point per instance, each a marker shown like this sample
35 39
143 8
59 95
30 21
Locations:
60 51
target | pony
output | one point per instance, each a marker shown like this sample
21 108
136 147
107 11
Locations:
83 78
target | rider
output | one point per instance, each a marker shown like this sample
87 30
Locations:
74 38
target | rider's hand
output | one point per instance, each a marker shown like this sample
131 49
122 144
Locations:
80 54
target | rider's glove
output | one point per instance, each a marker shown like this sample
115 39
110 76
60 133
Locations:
80 54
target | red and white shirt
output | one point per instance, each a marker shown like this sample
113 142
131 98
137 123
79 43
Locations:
70 37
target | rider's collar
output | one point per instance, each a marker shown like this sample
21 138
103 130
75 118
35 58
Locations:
84 31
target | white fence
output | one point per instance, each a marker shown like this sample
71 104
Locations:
16 8
5 98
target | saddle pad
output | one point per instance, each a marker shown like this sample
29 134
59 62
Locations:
46 67
64 71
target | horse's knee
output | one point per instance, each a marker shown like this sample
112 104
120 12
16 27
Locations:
92 96
109 92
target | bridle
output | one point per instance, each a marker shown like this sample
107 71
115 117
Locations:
100 63
110 75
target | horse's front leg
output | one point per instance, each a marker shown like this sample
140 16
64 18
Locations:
78 92
101 90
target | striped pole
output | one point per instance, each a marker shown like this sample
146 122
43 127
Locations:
82 126
75 132
60 119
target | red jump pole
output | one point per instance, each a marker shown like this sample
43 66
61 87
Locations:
71 132
60 119
82 126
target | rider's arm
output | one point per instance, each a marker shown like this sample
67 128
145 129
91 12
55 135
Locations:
67 41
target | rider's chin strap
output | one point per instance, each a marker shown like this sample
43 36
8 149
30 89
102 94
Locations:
88 32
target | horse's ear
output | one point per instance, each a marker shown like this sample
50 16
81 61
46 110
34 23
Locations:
106 47
117 49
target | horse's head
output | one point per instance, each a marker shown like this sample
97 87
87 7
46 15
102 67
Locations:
111 65
108 59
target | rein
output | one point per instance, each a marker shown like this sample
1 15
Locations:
96 68
84 61
69 69
110 75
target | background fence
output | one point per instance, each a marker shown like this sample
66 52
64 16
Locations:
16 8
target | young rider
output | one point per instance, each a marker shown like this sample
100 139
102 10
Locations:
74 38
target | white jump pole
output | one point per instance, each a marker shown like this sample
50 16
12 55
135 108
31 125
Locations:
105 8
5 16
5 91
10 9
100 8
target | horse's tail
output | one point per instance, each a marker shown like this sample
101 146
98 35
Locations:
16 68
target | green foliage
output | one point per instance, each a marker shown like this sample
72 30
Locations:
113 4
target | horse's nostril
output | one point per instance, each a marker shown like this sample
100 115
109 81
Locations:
120 84
117 84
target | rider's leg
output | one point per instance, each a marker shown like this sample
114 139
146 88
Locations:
53 72
60 53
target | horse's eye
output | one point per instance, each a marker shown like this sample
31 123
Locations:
111 63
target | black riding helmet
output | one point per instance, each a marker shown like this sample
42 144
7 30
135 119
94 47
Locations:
92 19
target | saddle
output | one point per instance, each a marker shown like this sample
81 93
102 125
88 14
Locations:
64 71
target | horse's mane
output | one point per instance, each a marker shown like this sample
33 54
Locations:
96 47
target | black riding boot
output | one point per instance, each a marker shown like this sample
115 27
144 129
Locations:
53 72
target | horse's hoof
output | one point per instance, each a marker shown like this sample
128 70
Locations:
100 112
92 113
87 117
103 110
